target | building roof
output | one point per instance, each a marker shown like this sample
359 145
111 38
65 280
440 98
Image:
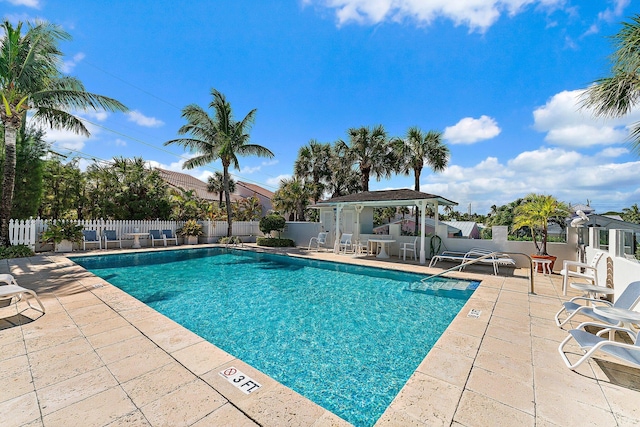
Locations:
256 189
187 182
466 227
402 197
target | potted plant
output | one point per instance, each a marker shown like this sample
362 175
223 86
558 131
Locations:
535 213
63 235
190 231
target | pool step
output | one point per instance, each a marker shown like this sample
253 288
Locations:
448 285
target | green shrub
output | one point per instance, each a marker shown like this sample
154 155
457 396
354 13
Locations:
271 223
190 228
63 230
233 240
274 242
17 251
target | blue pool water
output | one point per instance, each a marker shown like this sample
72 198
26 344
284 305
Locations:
346 337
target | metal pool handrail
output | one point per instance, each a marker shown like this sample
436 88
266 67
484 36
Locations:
474 260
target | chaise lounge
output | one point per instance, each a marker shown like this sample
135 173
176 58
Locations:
493 258
12 290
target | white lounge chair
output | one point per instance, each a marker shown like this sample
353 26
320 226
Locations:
594 344
12 290
110 236
628 299
408 247
157 236
495 259
169 236
345 242
590 273
321 240
90 237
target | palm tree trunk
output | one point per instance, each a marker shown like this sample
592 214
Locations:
416 187
227 198
365 178
8 181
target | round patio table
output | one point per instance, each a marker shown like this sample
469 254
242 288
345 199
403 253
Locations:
592 290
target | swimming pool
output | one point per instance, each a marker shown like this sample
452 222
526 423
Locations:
346 337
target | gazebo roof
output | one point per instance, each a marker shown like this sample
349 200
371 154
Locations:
402 197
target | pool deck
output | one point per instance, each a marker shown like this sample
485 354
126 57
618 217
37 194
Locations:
99 357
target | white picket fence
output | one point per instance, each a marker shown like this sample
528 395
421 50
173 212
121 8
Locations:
28 232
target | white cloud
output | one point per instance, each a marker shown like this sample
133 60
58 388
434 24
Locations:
275 181
120 143
470 130
478 15
28 3
248 170
613 152
69 65
140 119
567 125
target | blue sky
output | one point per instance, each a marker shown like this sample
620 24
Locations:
500 78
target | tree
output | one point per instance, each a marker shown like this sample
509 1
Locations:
215 184
631 214
616 95
30 80
343 180
418 149
60 183
218 137
313 163
185 205
535 213
292 197
369 149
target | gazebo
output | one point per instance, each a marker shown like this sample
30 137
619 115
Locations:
384 198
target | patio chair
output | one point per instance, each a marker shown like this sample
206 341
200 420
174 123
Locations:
13 290
90 237
168 235
590 273
628 299
110 236
345 242
321 240
157 236
594 344
408 247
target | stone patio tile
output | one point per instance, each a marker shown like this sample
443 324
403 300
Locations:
505 389
175 339
52 338
486 293
498 346
509 335
184 406
511 312
134 419
478 410
105 326
563 409
516 327
623 401
155 324
440 364
393 418
329 419
92 314
155 384
95 411
226 415
15 378
504 366
547 329
469 325
202 357
11 349
113 336
123 349
139 364
80 387
49 372
427 399
459 343
543 310
219 383
20 410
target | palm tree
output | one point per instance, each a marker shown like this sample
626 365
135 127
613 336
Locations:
631 214
30 80
369 149
292 197
535 213
218 137
215 184
418 149
313 162
616 95
343 179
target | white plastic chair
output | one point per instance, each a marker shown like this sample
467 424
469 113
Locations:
345 242
110 236
12 290
590 273
408 247
157 236
321 240
169 236
90 237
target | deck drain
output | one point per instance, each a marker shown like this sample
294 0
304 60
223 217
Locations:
474 313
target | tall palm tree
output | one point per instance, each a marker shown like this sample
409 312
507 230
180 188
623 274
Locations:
369 149
218 137
292 197
616 95
30 80
417 150
343 179
313 162
215 184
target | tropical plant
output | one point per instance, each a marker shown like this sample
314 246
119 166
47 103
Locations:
248 209
15 251
190 228
313 163
215 184
369 149
616 95
292 197
271 223
344 179
535 213
418 149
60 183
31 81
218 137
631 214
185 204
63 230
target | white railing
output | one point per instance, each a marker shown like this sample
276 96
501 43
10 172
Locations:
28 232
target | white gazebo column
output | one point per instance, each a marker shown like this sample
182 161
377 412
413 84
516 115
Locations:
421 204
336 244
358 210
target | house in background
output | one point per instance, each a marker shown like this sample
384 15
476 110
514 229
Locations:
245 190
468 229
408 227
